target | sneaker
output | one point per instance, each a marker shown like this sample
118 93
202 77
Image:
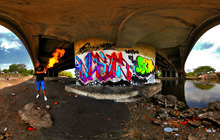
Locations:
37 96
45 98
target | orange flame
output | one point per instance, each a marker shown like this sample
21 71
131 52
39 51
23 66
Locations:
57 55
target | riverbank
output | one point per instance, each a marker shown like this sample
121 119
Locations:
78 117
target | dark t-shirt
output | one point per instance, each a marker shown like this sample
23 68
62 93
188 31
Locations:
40 77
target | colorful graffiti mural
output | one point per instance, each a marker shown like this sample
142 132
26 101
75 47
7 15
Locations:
110 65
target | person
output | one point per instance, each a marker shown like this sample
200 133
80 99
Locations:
40 73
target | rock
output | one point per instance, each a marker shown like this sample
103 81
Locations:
2 137
214 106
168 101
193 138
36 117
162 114
157 121
207 123
189 113
196 123
213 113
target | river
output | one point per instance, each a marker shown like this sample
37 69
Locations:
195 93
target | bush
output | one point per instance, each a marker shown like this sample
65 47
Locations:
66 73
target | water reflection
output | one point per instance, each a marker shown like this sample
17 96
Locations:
193 93
203 85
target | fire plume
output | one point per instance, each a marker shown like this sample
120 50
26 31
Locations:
57 55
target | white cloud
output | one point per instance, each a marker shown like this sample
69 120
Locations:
4 30
6 45
4 66
207 57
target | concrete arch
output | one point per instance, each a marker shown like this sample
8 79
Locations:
11 24
200 30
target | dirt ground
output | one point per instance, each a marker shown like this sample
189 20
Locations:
77 117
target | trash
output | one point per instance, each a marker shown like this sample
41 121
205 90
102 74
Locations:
165 123
13 94
5 129
175 129
9 84
177 135
38 108
76 96
109 119
144 116
168 129
213 130
47 106
208 130
55 102
31 128
70 94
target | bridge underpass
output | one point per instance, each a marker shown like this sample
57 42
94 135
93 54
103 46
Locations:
171 27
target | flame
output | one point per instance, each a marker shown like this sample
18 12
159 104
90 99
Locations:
57 55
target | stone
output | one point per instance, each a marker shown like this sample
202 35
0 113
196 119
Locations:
157 121
193 138
168 101
207 123
2 137
162 114
196 123
214 106
36 117
213 113
189 113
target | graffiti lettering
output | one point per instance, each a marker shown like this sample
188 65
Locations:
145 66
110 65
101 66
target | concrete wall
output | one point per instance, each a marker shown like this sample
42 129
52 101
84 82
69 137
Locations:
98 61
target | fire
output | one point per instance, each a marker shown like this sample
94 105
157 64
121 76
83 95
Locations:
57 55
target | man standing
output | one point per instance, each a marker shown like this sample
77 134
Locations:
40 72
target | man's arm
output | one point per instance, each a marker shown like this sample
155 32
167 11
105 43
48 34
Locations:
41 72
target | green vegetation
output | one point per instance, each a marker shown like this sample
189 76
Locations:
201 70
203 86
66 73
18 68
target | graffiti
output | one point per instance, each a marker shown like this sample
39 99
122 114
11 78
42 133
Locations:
87 47
132 51
145 66
106 66
101 66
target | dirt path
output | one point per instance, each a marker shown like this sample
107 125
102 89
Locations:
17 80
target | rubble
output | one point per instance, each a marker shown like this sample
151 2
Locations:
36 117
168 101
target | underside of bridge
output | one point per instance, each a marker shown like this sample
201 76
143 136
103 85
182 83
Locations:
170 27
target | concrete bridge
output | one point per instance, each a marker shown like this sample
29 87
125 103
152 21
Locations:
165 30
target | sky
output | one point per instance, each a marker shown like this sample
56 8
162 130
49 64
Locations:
206 51
12 50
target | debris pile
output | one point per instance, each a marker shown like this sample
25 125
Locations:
166 117
35 116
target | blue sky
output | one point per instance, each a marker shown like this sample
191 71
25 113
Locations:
206 51
12 50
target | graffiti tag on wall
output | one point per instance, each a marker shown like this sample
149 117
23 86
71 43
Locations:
110 65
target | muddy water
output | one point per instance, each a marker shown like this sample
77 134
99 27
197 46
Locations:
195 93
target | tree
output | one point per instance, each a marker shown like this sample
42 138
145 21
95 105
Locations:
5 70
13 68
203 70
66 73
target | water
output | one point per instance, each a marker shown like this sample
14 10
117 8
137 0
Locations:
195 93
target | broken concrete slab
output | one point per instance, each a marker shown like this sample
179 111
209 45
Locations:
37 117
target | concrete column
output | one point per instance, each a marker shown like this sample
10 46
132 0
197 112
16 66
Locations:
176 74
168 73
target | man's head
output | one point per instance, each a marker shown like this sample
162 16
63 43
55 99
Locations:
37 64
